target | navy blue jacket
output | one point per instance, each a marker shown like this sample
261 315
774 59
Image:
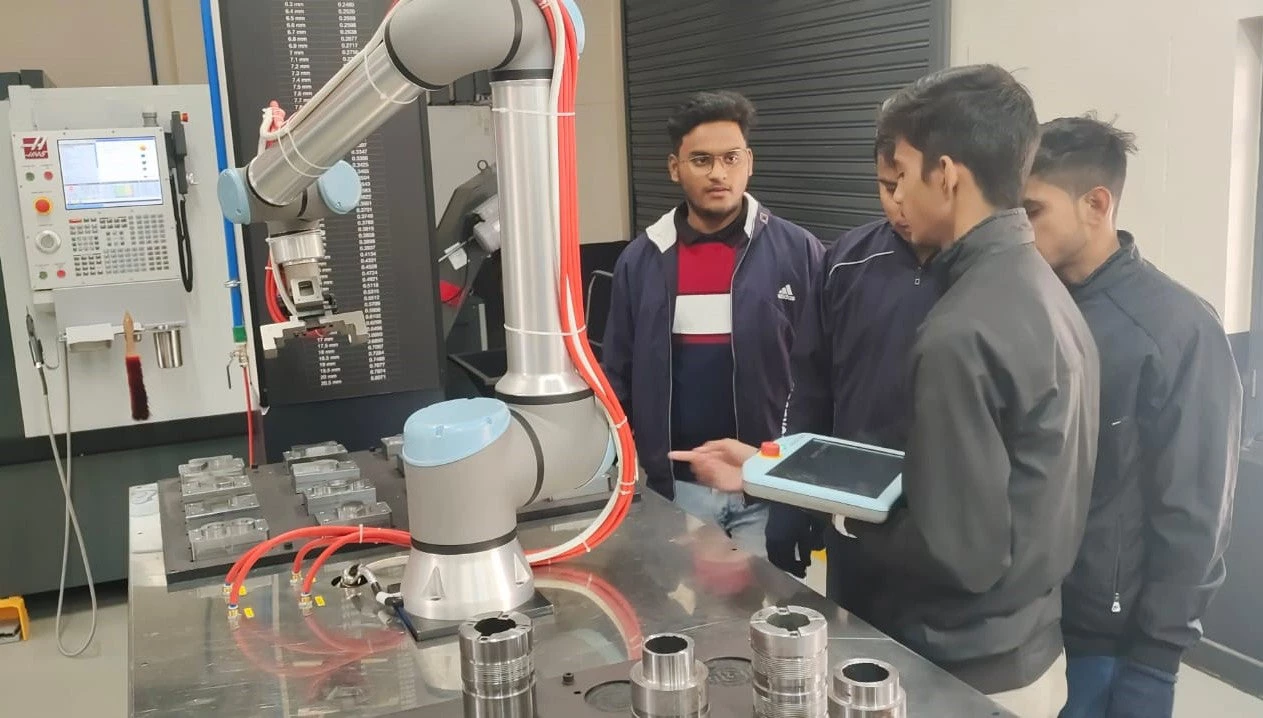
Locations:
851 356
850 365
637 348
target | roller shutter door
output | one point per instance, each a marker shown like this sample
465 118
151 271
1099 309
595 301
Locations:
815 70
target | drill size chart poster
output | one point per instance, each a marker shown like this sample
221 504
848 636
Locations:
380 257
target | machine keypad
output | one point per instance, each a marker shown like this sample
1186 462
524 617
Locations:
135 244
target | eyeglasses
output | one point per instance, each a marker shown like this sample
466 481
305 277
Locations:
703 163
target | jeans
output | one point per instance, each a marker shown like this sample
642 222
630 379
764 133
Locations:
747 525
1111 687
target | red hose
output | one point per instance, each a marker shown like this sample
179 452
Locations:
307 548
275 312
369 536
237 574
245 375
571 289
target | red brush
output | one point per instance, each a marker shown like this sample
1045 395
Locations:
135 378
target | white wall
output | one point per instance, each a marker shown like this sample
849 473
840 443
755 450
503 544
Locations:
1184 76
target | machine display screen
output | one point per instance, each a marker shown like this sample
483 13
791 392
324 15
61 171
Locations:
110 172
837 466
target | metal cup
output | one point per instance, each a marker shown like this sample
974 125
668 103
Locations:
166 344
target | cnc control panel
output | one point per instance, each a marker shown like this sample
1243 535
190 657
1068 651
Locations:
96 206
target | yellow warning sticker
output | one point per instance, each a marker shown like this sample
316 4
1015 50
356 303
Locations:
320 601
243 590
249 612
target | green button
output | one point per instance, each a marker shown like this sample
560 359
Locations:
43 275
30 176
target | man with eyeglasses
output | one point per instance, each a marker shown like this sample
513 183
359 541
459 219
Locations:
704 302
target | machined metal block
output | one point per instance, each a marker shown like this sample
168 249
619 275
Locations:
201 487
223 508
220 537
377 514
321 472
314 452
328 497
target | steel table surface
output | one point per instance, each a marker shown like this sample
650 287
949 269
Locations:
662 572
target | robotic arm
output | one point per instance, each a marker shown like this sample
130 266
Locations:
555 425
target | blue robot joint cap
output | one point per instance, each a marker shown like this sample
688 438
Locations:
451 431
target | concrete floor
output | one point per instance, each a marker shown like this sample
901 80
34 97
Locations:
36 680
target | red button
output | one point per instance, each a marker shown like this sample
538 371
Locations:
43 205
48 175
61 274
770 450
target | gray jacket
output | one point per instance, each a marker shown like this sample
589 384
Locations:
999 464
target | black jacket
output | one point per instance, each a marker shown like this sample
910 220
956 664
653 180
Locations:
1161 507
998 468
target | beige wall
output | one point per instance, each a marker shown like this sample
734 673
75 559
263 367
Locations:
119 57
82 43
1185 77
177 39
601 126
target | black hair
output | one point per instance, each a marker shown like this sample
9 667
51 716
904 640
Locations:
884 145
978 115
1080 153
704 107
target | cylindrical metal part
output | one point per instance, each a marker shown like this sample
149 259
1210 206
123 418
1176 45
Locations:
495 654
166 344
497 667
791 662
867 688
294 246
669 682
538 364
370 93
670 663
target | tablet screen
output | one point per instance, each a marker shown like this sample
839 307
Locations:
845 468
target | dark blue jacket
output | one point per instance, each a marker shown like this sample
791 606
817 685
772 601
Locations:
850 365
774 280
851 356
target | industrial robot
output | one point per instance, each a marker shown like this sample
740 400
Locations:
470 463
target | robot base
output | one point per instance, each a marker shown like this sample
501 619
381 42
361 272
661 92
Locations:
442 587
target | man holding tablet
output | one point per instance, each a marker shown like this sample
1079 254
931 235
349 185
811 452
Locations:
1004 377
851 348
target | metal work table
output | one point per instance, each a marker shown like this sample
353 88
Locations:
662 572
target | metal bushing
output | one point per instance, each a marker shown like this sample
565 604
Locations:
495 656
791 662
669 682
307 244
867 688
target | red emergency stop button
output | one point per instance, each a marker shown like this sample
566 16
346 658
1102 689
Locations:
43 205
770 450
48 175
61 274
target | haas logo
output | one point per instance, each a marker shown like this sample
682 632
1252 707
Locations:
35 148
